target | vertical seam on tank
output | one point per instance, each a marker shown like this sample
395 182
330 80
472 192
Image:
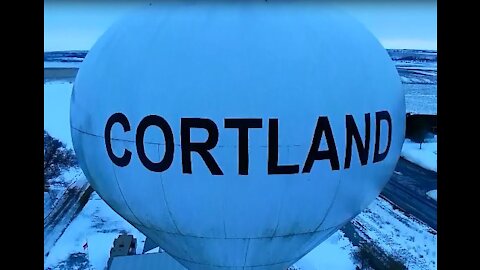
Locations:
246 254
123 197
223 209
165 198
331 204
282 203
224 223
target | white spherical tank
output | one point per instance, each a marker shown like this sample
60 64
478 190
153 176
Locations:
240 136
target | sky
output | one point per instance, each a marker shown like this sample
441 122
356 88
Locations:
400 25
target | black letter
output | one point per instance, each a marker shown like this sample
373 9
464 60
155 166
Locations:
200 148
362 148
243 125
322 125
273 167
127 155
383 115
155 120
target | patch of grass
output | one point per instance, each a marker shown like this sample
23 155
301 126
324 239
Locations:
370 256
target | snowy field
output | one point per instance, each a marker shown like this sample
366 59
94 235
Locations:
420 98
334 253
432 194
403 237
56 110
425 157
51 64
98 225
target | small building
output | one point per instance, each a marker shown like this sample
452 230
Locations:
123 256
123 245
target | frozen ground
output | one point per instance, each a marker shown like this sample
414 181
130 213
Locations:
98 225
425 157
48 64
421 98
432 194
398 235
56 110
334 253
418 72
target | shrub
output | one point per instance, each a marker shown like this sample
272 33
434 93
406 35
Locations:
56 158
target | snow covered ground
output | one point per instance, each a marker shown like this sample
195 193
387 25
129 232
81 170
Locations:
421 98
425 157
432 194
98 225
398 235
51 64
56 110
334 253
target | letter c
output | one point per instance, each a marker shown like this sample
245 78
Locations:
127 155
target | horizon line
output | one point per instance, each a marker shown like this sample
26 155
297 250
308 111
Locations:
416 49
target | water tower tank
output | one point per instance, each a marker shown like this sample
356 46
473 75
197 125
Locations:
237 136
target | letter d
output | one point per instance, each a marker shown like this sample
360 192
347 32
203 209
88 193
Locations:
379 116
